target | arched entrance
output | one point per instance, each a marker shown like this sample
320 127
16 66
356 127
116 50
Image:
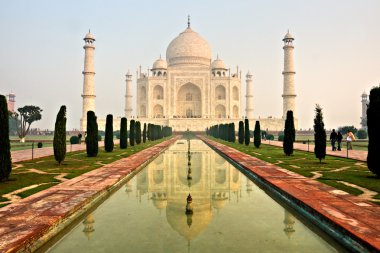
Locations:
189 102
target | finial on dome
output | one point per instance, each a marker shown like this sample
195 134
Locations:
188 21
160 56
217 56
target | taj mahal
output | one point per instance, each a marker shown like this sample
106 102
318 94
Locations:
189 89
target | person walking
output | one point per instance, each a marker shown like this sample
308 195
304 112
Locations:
339 138
349 138
333 138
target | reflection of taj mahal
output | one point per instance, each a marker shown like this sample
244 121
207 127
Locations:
189 90
213 182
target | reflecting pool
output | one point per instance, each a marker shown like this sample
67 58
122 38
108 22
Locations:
230 213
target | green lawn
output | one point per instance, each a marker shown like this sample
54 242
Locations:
356 172
75 164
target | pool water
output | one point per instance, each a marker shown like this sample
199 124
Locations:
230 212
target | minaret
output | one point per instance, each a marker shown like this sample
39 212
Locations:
363 118
11 102
289 94
249 96
128 96
88 79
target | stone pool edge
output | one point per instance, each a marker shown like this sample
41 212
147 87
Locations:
353 239
26 230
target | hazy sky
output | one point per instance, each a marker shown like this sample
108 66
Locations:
337 50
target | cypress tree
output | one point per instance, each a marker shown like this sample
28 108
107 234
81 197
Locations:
138 132
59 141
5 146
108 138
373 124
149 132
92 145
132 131
144 133
123 133
247 137
319 135
257 135
289 134
241 132
232 132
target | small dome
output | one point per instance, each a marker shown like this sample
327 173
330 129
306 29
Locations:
249 74
160 64
288 36
218 64
364 94
188 48
89 36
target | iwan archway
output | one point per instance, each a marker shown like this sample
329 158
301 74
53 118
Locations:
189 101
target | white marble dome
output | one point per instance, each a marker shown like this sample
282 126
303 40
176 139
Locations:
218 64
188 48
160 64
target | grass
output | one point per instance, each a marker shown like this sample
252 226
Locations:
75 164
357 172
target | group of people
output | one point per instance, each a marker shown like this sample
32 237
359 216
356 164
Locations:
337 137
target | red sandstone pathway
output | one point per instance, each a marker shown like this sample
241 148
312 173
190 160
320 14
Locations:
26 154
360 155
359 218
24 222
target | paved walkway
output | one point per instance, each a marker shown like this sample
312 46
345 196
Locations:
357 218
360 155
28 154
29 223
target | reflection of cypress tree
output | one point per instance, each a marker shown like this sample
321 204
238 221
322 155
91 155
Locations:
247 136
5 146
132 132
257 135
108 138
123 133
138 132
373 123
144 133
92 135
319 134
289 134
59 141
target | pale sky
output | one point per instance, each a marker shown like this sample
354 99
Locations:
337 51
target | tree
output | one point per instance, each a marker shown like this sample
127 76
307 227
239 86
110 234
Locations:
241 132
92 144
59 141
247 136
257 135
319 134
123 133
362 134
138 132
5 146
28 114
132 132
108 138
231 132
373 124
289 134
345 129
144 133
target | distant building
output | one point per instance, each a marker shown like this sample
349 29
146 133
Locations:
11 102
363 118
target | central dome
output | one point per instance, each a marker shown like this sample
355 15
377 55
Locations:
188 48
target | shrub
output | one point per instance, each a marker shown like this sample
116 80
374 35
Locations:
5 146
123 133
74 140
270 137
39 145
247 137
373 124
59 142
289 134
362 134
93 137
319 134
108 139
280 137
257 135
100 137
